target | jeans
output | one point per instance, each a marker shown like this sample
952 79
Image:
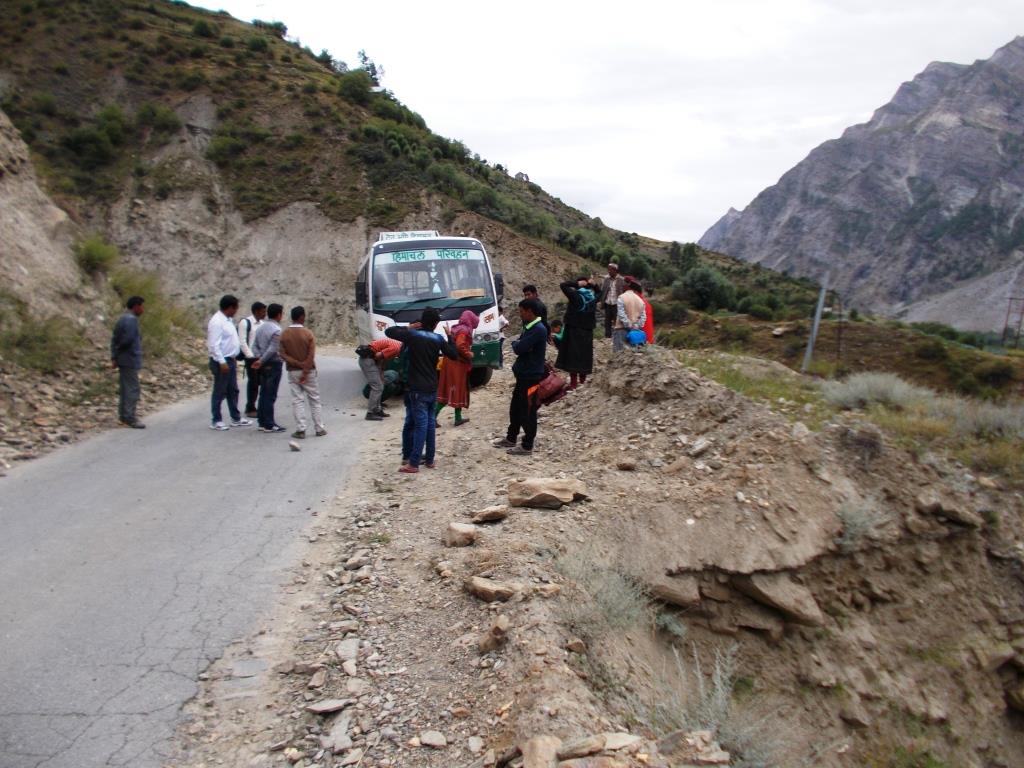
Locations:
225 388
130 390
522 414
619 339
253 381
269 380
309 389
610 310
420 423
373 376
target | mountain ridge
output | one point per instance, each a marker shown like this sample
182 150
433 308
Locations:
916 203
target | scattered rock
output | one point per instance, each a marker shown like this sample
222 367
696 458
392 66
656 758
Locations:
692 749
496 636
294 445
488 590
699 448
348 649
583 747
991 655
475 745
349 667
545 493
326 706
352 758
779 591
854 714
576 645
318 679
541 752
626 466
930 503
616 741
460 535
681 591
491 514
433 739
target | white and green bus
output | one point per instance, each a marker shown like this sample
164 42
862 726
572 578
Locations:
406 272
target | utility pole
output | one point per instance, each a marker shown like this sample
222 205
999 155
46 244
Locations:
1014 317
817 323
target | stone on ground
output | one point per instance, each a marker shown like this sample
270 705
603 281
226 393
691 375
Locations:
460 535
541 752
433 739
545 492
489 590
779 591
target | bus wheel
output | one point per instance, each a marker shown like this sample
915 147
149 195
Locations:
479 377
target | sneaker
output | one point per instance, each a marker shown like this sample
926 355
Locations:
383 414
299 434
274 429
243 422
374 417
460 422
409 469
321 432
220 426
503 443
519 451
133 424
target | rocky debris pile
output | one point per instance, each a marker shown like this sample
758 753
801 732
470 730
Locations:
680 749
40 412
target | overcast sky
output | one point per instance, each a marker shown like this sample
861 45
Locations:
655 116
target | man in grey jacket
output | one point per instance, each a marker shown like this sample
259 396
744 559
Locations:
126 356
267 366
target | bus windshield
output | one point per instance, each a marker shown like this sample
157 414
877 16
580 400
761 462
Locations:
435 277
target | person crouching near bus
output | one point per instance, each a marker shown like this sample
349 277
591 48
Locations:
377 355
453 386
529 372
424 346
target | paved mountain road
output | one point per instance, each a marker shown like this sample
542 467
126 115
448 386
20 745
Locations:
130 560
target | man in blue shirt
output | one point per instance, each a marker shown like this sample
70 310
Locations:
529 372
423 347
126 356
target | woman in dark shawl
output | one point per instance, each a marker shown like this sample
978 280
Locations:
576 351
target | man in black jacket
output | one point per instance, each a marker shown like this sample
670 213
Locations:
126 356
529 372
423 347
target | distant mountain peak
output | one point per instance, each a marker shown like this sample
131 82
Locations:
913 205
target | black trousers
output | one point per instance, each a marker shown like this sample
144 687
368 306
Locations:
252 386
609 319
522 415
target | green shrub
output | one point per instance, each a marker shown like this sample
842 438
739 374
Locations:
158 117
163 322
227 42
932 349
735 332
707 287
90 148
203 29
760 312
995 373
670 311
258 44
223 148
43 344
355 87
94 255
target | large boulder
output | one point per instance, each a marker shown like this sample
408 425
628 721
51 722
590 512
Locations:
681 591
545 492
779 591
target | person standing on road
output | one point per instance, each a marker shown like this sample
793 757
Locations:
222 344
528 370
267 367
126 356
246 334
453 385
298 350
379 354
611 289
422 347
530 292
576 349
631 315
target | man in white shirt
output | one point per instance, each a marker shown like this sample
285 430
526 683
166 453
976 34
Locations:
246 336
222 343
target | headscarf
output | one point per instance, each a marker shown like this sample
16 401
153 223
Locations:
468 320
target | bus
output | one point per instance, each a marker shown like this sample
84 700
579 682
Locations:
403 273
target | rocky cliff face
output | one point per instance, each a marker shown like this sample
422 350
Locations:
916 212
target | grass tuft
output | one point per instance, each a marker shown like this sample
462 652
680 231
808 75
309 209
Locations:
610 600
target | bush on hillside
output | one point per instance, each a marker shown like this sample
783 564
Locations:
90 148
931 349
994 373
95 256
708 288
223 148
670 312
863 389
158 117
355 87
203 29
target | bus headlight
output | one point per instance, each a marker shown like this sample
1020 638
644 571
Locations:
482 337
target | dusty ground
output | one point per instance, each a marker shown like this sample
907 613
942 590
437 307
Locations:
906 644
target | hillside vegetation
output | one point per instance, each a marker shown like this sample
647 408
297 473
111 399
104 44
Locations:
98 90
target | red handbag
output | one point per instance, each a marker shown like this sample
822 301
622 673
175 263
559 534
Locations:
551 388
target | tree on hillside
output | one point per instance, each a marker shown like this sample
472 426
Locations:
707 288
375 71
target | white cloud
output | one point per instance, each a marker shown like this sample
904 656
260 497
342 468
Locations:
655 116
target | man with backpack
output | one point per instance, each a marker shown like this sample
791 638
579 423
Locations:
247 328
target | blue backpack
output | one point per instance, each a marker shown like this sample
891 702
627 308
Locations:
636 338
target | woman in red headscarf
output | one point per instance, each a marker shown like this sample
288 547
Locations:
453 383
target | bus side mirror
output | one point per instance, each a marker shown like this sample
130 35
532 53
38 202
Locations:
499 285
362 299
